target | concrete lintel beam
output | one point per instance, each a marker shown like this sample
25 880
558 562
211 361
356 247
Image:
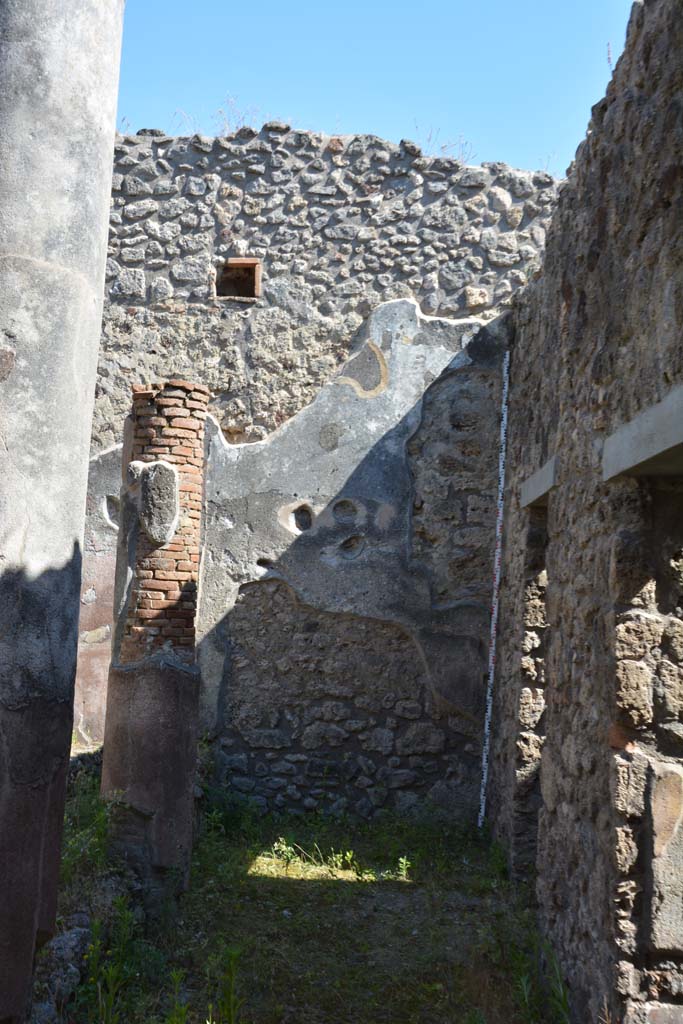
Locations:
651 444
536 488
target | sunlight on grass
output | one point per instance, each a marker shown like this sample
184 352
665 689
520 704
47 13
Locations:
273 930
293 861
266 866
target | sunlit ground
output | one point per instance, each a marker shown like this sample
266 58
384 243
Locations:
311 921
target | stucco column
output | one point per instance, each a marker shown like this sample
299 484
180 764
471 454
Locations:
59 62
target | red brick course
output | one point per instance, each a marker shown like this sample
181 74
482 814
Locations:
168 424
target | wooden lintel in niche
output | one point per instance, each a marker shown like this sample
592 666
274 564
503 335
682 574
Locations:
239 278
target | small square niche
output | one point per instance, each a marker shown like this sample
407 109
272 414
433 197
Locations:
239 278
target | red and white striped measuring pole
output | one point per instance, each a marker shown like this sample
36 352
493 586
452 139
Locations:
493 635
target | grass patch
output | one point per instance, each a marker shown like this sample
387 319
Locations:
317 921
84 844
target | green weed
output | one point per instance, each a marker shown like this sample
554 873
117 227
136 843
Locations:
228 1004
558 995
84 845
316 919
282 850
109 988
404 866
122 971
475 1017
179 1010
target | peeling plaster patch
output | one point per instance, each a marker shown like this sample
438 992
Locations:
354 558
385 516
667 810
330 435
99 456
7 361
352 547
111 510
96 636
154 488
298 516
383 375
345 511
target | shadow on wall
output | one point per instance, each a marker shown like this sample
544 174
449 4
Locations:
97 598
38 639
630 782
643 658
339 671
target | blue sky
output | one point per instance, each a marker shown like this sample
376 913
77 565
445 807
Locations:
510 80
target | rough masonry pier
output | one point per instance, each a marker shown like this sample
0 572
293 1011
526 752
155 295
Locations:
587 779
165 475
152 700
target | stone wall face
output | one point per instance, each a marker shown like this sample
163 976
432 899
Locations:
341 224
350 723
342 632
598 339
345 228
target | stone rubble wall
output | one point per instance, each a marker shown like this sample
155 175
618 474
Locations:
343 652
597 340
343 225
529 665
341 718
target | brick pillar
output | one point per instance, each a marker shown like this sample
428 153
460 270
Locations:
150 734
168 426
